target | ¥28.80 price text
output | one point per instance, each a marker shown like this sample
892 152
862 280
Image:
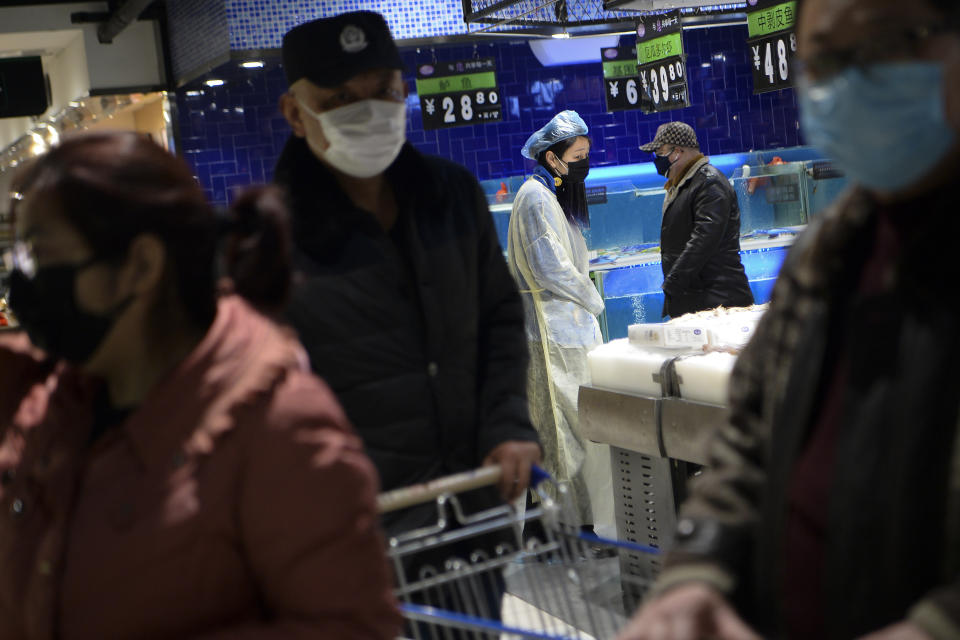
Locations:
465 107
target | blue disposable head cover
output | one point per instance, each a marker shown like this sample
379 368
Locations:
566 124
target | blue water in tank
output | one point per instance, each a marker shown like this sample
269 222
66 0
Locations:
632 294
629 215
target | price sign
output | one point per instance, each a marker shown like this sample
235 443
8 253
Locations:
783 189
597 195
453 94
662 64
773 44
620 78
665 85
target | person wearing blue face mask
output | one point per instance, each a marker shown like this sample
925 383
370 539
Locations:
831 507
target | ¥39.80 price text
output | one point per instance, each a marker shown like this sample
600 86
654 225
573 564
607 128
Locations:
664 84
660 79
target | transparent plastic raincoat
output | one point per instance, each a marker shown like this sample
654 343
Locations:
548 258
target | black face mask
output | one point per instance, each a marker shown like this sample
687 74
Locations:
46 308
663 164
577 171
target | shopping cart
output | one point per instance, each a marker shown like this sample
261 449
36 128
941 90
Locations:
561 585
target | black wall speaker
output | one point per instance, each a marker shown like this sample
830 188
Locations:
23 90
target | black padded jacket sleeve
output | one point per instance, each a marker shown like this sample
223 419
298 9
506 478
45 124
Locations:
503 356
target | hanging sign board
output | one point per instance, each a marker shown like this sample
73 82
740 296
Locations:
772 40
620 78
662 63
453 94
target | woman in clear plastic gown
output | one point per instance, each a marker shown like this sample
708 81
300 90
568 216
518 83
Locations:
548 258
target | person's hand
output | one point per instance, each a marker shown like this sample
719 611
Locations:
692 611
515 458
899 631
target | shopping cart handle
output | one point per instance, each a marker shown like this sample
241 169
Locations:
419 493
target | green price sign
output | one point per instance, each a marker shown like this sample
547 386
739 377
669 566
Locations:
620 68
620 79
462 92
773 44
772 19
662 64
464 82
659 48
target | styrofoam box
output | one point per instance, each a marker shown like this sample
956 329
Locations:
705 378
734 333
667 336
621 366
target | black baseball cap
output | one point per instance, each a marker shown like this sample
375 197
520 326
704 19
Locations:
330 51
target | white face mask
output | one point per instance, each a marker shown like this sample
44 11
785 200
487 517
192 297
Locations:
365 137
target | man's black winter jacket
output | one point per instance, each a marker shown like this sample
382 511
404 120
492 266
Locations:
419 330
700 245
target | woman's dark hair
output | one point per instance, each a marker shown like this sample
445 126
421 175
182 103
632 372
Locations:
114 186
572 196
257 250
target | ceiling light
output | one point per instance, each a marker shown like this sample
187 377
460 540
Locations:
215 83
551 52
252 64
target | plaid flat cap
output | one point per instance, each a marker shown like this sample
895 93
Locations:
678 134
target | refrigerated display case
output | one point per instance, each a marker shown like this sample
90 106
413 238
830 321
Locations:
776 197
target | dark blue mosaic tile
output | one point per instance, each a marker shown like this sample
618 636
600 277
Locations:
199 34
240 123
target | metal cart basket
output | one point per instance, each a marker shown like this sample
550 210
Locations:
559 584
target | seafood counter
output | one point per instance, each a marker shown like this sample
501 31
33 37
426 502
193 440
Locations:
656 397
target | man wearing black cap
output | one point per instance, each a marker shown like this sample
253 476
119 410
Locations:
404 302
700 231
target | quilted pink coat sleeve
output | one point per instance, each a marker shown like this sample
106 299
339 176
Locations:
297 525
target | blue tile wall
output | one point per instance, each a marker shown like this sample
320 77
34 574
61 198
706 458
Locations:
198 34
233 134
260 24
727 116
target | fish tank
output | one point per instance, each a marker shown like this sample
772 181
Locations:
777 191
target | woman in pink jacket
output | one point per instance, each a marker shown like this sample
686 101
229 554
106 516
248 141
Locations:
170 468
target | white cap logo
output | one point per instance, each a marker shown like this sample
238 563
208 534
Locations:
353 39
